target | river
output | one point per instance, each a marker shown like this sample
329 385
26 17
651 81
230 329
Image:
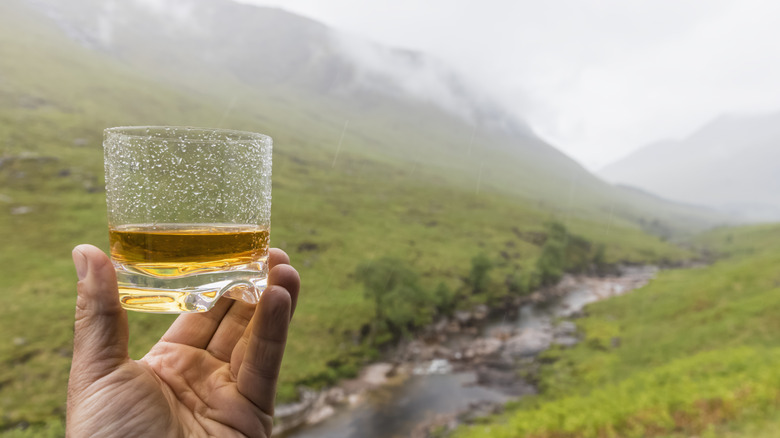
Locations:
440 388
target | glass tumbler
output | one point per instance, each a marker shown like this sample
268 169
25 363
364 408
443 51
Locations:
189 215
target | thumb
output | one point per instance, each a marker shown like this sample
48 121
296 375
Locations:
100 333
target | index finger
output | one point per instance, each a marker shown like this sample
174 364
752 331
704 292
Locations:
277 257
259 369
285 276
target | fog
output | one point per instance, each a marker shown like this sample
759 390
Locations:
597 79
600 82
441 256
429 79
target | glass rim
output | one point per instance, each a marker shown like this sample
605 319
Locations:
141 132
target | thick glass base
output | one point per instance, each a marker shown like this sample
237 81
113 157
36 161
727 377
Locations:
190 293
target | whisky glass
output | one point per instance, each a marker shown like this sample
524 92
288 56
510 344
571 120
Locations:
189 215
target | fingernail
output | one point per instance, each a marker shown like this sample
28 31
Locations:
81 264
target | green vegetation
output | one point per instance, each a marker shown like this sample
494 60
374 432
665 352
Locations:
695 353
400 305
402 185
564 252
478 280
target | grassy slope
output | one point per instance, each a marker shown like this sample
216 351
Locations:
698 355
365 205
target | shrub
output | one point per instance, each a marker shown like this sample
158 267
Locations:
565 252
400 304
478 280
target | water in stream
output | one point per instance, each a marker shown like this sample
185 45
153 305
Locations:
394 411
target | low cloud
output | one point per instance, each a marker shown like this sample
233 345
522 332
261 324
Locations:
596 78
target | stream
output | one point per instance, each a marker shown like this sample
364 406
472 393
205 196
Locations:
465 371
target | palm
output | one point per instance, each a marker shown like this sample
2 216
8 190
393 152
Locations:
202 395
211 374
176 390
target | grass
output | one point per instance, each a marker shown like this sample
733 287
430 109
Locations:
697 355
436 228
401 183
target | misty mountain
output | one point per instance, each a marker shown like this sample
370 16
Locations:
731 164
268 47
88 64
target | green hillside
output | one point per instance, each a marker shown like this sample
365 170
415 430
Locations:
697 355
405 181
269 70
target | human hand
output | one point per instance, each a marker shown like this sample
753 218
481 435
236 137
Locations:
211 374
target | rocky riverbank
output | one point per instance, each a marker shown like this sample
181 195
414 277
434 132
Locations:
497 345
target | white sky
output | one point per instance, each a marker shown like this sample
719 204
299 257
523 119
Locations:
596 78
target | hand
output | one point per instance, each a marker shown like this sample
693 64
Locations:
211 374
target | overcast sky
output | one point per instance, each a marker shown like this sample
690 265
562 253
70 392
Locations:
597 78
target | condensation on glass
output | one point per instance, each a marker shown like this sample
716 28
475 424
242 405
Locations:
189 215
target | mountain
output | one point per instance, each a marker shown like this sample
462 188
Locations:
731 164
377 153
265 47
280 65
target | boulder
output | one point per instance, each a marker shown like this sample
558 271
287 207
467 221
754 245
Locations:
566 341
335 396
485 346
441 325
463 317
565 328
481 312
529 342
